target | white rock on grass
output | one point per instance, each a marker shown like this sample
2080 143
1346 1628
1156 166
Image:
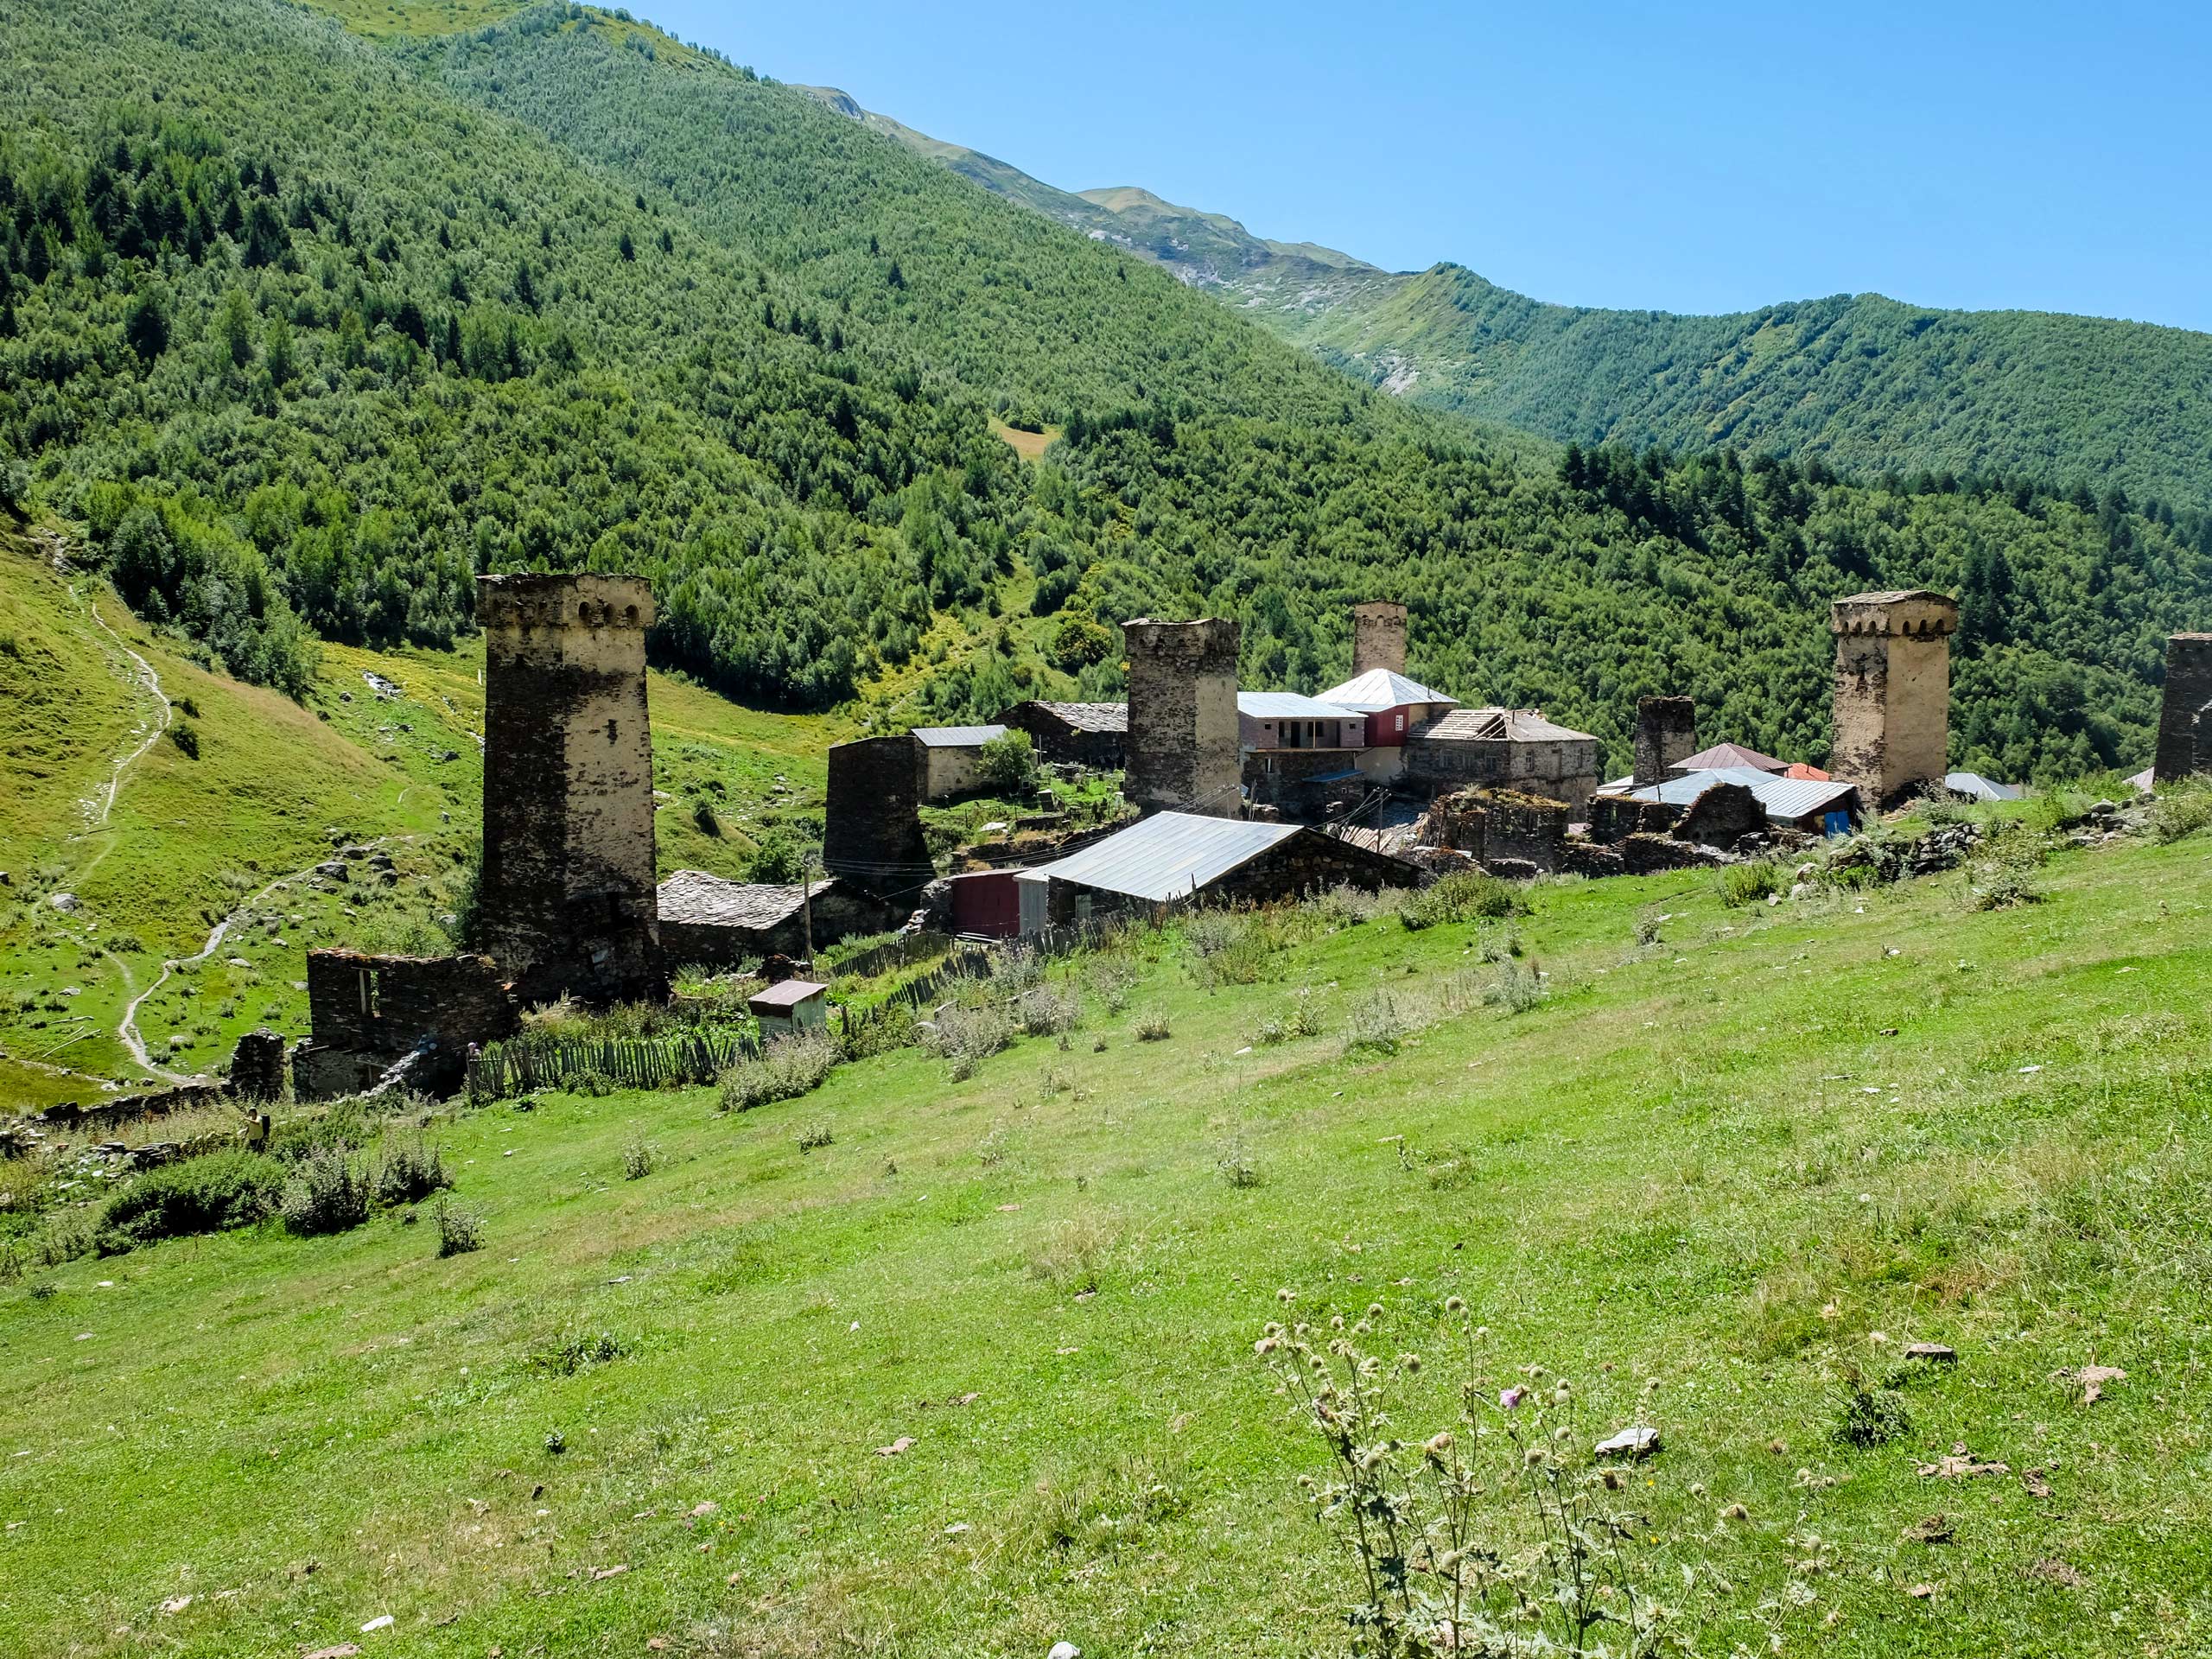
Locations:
1640 1441
1065 1650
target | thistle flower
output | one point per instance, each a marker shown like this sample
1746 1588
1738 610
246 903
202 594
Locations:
1510 1399
1455 1304
1532 1456
1375 1310
1409 1363
1438 1445
1286 1295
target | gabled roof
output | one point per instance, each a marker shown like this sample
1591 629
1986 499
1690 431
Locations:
1781 797
1977 787
1496 726
1291 705
1722 755
694 898
1379 689
1085 717
1169 854
786 993
957 737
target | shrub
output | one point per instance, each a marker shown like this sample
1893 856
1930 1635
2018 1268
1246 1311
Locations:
1046 1012
1008 764
1376 1026
1153 1028
186 736
1236 1166
1870 1417
199 1195
326 1193
792 1066
569 1355
1113 977
638 1158
410 1172
815 1136
1517 989
1463 896
2181 809
458 1232
967 1037
1748 883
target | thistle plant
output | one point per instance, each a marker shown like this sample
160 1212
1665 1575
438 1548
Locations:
1495 1536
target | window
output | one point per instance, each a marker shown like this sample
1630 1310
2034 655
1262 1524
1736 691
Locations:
610 731
1399 720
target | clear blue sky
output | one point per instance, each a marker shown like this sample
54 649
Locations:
1690 158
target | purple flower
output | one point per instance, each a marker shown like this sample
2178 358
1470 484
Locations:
1507 1399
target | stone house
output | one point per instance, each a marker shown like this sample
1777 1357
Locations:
1093 734
716 923
952 759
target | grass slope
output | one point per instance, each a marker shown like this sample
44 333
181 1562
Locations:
1749 1160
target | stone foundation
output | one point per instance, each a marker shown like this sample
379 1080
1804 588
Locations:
367 1013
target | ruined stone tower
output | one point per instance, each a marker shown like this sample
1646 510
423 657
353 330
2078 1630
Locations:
2185 724
1182 754
568 890
1892 691
1666 733
871 825
1378 637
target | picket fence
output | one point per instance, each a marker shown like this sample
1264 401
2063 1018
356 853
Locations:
518 1066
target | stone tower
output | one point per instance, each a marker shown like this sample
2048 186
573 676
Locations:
1666 733
871 825
2185 724
1378 637
1892 691
567 894
1183 753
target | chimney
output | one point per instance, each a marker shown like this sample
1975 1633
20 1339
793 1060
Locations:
1378 637
1183 749
1892 691
1666 735
2184 734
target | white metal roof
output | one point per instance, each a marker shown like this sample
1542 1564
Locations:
1169 854
1976 786
1290 705
1380 689
1781 798
957 737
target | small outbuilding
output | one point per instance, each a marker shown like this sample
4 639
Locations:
716 923
952 759
785 1009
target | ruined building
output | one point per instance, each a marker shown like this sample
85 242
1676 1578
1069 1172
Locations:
1378 637
2185 717
1182 744
1892 691
1666 735
568 888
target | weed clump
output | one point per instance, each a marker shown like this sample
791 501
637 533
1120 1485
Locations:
1377 1026
1463 896
638 1158
410 1172
2181 809
815 1136
1236 1166
568 1355
788 1068
199 1195
460 1232
967 1037
1749 884
1153 1028
327 1193
1870 1417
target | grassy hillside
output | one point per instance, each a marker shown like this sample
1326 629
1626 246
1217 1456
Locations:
381 751
1746 1155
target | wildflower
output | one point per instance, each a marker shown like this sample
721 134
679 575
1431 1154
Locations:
1409 1363
1562 1394
1336 1322
1265 1345
1455 1304
1438 1445
1375 1310
1286 1295
1510 1399
1532 1456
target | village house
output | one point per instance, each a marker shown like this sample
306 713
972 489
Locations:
952 759
708 921
1093 734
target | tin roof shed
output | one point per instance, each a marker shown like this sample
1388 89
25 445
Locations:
1169 854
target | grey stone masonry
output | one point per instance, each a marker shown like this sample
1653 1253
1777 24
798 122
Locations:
1892 691
1183 748
2185 717
568 888
1378 637
1666 733
872 827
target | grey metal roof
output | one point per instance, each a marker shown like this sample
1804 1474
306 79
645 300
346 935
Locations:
1976 786
1290 705
698 900
1168 855
1781 797
1379 689
957 737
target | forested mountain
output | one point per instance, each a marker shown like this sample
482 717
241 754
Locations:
1862 382
304 335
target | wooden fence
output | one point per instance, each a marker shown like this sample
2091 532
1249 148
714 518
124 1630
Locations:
546 1061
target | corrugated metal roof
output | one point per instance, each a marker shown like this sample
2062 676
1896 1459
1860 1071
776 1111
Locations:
1781 797
1168 855
1380 689
698 900
1977 787
957 737
1796 797
1722 755
1290 705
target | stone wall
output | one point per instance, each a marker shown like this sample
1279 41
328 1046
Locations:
1615 817
366 1012
1721 816
1892 691
1378 637
1183 753
1666 733
1529 828
568 888
2184 725
872 829
1057 740
1563 768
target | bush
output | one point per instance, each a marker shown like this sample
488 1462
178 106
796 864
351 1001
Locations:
410 1172
327 1193
1749 884
638 1158
459 1231
1463 896
815 1136
1047 1011
1153 1028
791 1067
1008 764
2181 809
569 1354
1517 987
967 1037
1872 1417
1376 1026
199 1195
